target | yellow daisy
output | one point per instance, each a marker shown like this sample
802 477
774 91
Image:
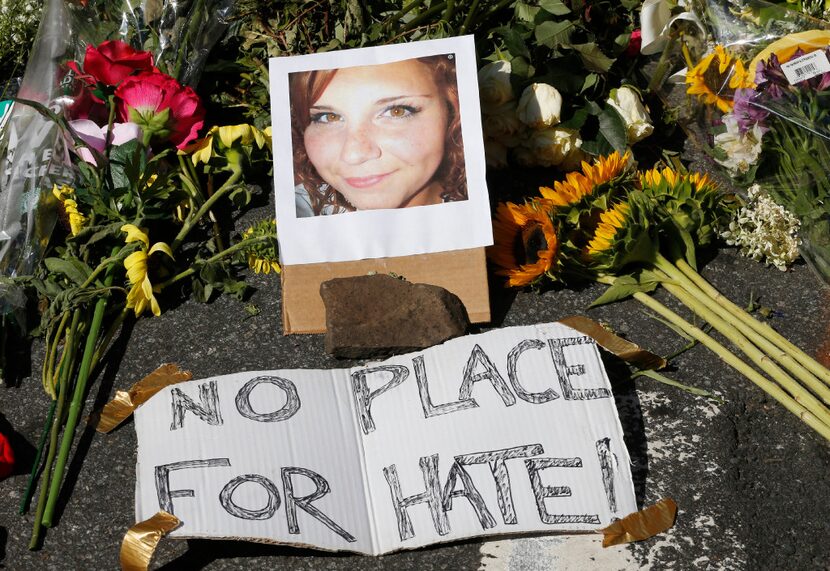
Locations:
525 242
610 223
69 208
716 77
202 150
141 295
577 185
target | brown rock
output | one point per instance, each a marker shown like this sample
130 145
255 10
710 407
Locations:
379 315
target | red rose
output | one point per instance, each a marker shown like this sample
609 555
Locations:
111 62
6 457
634 43
161 106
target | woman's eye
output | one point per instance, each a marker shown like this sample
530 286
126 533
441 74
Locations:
326 117
399 111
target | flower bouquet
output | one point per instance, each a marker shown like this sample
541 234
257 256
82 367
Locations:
138 218
635 231
758 85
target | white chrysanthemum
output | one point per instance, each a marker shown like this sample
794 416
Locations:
764 231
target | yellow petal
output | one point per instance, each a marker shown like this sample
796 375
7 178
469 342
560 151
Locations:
135 234
231 133
161 247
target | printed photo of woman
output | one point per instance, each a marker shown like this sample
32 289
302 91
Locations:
375 137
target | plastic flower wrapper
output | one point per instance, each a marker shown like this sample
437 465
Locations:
636 231
33 158
755 95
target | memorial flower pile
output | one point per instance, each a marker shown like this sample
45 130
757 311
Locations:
637 230
774 126
138 219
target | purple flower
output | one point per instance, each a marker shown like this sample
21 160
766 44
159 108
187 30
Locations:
749 110
771 79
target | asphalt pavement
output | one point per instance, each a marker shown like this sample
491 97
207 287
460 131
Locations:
751 481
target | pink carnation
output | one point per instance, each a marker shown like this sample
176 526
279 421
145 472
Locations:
161 106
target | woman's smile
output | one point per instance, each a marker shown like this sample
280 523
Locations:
366 181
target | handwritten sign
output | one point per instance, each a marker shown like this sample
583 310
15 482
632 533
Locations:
509 431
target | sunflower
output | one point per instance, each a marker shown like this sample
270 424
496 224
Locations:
203 150
578 185
669 179
526 244
141 295
610 223
69 208
716 77
262 255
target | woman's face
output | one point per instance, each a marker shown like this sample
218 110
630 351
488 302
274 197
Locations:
377 135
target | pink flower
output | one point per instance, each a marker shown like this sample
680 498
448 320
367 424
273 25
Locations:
634 43
94 136
161 106
111 62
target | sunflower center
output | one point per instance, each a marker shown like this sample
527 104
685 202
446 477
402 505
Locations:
532 242
717 82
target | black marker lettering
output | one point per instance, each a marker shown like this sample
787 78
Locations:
430 409
207 409
469 491
289 409
512 358
304 503
540 491
496 461
478 356
363 398
431 496
270 508
566 371
165 495
607 468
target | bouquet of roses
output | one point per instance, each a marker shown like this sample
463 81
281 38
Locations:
635 231
138 217
759 86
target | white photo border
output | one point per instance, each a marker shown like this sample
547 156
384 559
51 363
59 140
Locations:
381 233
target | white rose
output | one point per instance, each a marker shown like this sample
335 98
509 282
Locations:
626 101
540 106
494 84
552 146
502 123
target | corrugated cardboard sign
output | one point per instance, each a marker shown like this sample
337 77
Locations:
510 431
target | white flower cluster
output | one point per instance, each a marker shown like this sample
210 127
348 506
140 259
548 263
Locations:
529 128
764 231
18 25
742 150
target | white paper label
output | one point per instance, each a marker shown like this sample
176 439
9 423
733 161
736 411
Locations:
805 67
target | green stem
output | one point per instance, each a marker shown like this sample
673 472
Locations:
76 405
191 221
732 360
216 257
401 13
746 327
469 18
761 328
799 393
51 352
30 483
62 389
416 21
660 378
107 339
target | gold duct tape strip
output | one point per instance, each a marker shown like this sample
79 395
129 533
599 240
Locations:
141 540
642 524
625 350
125 402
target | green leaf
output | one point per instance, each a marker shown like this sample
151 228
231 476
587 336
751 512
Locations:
671 382
514 42
590 80
593 58
526 12
612 127
74 269
577 120
553 34
623 288
555 7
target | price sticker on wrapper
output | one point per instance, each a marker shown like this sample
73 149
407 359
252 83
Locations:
805 67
